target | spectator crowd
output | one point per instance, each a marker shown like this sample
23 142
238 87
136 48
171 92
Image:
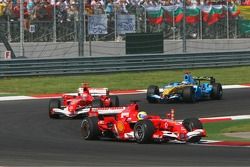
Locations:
67 10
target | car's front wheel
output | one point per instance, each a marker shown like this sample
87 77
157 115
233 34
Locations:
143 131
152 90
191 124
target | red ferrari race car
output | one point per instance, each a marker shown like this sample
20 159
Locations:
127 123
80 103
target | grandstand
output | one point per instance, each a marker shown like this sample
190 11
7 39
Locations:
51 28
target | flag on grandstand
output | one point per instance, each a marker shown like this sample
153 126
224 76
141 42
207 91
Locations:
233 11
244 26
174 13
192 14
212 14
155 14
244 12
205 12
246 2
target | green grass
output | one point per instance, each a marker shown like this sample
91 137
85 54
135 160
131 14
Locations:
216 130
7 94
116 81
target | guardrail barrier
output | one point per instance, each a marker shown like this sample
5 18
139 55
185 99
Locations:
88 65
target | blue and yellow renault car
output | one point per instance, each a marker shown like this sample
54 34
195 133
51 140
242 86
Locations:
191 89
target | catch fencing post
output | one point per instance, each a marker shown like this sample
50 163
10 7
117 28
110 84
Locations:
81 33
184 42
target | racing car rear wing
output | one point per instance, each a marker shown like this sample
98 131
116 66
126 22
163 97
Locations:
95 91
98 91
205 78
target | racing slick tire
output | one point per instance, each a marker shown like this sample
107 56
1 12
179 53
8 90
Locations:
97 102
188 94
191 124
212 80
54 103
217 91
152 90
89 128
114 101
143 131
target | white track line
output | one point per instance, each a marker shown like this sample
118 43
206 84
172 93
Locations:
6 98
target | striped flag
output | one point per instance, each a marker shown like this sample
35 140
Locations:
212 13
155 14
245 19
192 14
174 13
244 12
234 11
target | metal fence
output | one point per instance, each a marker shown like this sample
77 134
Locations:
56 34
62 29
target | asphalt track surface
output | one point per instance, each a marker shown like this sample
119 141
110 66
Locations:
29 137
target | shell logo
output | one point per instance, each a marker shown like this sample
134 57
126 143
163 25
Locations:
120 126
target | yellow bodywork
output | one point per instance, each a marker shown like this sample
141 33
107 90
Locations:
173 90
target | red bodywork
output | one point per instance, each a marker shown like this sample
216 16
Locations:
83 98
121 125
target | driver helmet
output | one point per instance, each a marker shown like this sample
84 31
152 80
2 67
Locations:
142 115
80 91
84 94
188 79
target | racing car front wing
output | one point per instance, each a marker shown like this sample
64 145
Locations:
101 111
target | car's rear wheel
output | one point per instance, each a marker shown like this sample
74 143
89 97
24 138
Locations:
152 90
114 101
97 102
191 124
143 131
54 103
89 128
189 94
217 91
